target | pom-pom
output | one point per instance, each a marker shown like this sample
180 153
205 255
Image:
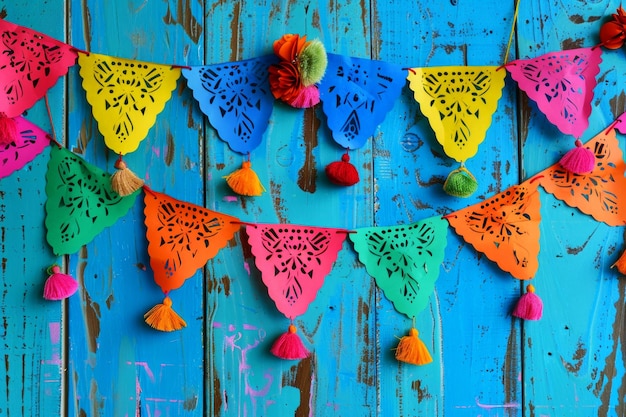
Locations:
124 181
245 181
289 346
342 172
529 306
8 130
620 264
289 47
460 183
59 286
579 160
313 62
613 33
162 317
305 98
284 79
412 350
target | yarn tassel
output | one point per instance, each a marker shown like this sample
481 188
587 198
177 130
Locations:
579 160
124 181
620 264
412 350
163 317
529 306
342 172
245 181
460 183
59 286
289 346
8 130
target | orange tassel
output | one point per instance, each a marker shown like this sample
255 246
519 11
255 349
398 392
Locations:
163 317
245 181
412 350
124 181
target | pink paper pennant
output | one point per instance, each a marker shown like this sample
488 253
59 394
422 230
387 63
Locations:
293 261
30 142
620 123
561 83
30 64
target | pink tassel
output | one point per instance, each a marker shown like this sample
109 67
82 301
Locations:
8 130
529 306
59 286
289 345
307 97
579 160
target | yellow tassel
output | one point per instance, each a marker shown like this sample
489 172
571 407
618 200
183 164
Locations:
163 317
412 350
124 181
244 181
620 264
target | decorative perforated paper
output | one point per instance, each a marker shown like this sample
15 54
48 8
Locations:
561 83
601 193
404 260
30 143
236 98
293 260
459 102
30 64
505 228
125 96
182 237
356 96
620 123
80 201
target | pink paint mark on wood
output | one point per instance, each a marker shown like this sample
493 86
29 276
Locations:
246 266
492 406
146 368
231 327
55 332
217 325
250 327
230 199
156 151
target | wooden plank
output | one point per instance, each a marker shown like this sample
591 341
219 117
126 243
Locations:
574 361
118 365
32 331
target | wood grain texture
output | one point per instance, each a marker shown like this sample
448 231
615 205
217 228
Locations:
571 363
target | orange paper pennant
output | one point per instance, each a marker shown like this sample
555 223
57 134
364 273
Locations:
601 193
182 237
505 228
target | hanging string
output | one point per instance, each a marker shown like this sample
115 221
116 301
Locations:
508 47
54 135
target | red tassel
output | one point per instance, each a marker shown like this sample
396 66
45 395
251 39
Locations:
579 160
412 350
289 346
529 306
342 172
8 130
59 286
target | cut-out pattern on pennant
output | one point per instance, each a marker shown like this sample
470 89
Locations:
182 237
505 228
459 102
356 96
80 201
31 142
600 194
561 83
30 64
237 99
294 261
404 260
125 96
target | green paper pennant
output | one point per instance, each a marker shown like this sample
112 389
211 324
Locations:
404 260
80 201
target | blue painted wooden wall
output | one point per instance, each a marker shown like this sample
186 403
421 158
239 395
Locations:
94 356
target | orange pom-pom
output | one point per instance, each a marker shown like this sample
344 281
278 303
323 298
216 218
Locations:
289 47
163 317
412 350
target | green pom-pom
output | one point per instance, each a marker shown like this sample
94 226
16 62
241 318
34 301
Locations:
460 183
313 62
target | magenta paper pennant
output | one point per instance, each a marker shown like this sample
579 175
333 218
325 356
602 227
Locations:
561 83
294 260
30 142
30 64
620 123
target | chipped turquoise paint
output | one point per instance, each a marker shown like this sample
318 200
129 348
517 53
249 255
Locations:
571 363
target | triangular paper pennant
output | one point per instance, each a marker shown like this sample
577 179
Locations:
459 102
125 96
30 64
561 83
505 228
31 142
620 123
294 260
356 96
404 260
80 201
600 194
237 99
182 237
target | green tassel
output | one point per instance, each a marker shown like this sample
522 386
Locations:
313 62
460 183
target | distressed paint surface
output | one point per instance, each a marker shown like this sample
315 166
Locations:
485 363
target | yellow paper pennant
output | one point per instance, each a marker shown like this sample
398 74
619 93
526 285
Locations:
126 96
459 102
